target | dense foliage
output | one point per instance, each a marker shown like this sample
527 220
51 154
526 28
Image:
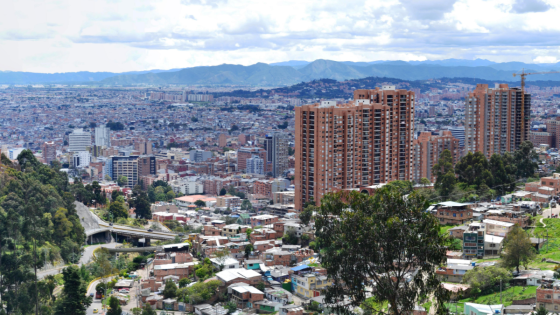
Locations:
38 224
404 249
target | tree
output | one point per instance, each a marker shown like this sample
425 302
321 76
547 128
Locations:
518 249
222 256
526 159
184 282
115 307
117 209
424 181
443 172
248 249
473 169
147 310
74 299
143 206
307 214
170 290
481 279
201 273
122 181
223 191
401 238
200 204
246 204
542 310
405 186
231 307
260 286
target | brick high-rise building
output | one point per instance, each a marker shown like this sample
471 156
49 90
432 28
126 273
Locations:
496 120
144 147
553 127
246 153
49 152
426 151
222 140
365 142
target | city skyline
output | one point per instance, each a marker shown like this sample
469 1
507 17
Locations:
123 36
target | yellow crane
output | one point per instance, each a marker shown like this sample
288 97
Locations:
523 74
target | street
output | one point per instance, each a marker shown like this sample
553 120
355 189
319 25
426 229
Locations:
88 254
552 211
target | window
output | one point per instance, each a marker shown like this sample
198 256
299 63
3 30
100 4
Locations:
548 296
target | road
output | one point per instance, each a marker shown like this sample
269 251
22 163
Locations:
88 254
547 212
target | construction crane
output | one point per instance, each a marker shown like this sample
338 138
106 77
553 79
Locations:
523 74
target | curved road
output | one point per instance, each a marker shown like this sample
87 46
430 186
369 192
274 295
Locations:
87 255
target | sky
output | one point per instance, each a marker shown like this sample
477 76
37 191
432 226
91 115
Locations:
132 35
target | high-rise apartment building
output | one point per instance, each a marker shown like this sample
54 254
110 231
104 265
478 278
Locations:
222 140
14 153
245 153
79 140
426 151
199 155
365 142
276 146
553 127
144 147
49 152
125 166
496 120
146 165
255 165
103 136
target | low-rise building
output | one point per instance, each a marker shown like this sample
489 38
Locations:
454 213
245 295
228 201
454 270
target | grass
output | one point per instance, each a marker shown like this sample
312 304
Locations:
550 250
508 295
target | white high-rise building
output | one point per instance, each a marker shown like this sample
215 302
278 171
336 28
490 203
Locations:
255 165
78 140
81 159
13 153
103 136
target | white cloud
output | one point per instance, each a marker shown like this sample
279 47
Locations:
545 59
125 35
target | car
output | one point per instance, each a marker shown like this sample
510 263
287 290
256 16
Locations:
181 234
91 295
95 310
124 291
150 230
110 224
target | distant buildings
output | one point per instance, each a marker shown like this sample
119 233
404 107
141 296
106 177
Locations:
255 165
276 146
79 140
199 155
49 152
222 140
81 159
102 136
427 150
13 153
245 153
125 166
496 120
364 142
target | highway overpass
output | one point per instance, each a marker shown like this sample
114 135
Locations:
95 227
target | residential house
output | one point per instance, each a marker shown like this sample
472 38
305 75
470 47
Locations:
245 295
231 276
497 228
492 245
454 270
482 309
291 310
268 307
278 295
228 263
309 285
454 213
473 240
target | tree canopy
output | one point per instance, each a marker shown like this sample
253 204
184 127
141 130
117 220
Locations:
400 237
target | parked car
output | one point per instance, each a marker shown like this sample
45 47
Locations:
150 230
111 224
91 295
123 291
95 311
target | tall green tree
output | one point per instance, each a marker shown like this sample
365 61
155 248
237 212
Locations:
400 237
118 209
526 159
74 299
143 206
115 306
122 181
473 170
170 290
443 172
518 250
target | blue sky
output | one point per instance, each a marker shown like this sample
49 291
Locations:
128 35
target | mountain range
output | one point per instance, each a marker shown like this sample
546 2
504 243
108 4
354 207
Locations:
295 71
